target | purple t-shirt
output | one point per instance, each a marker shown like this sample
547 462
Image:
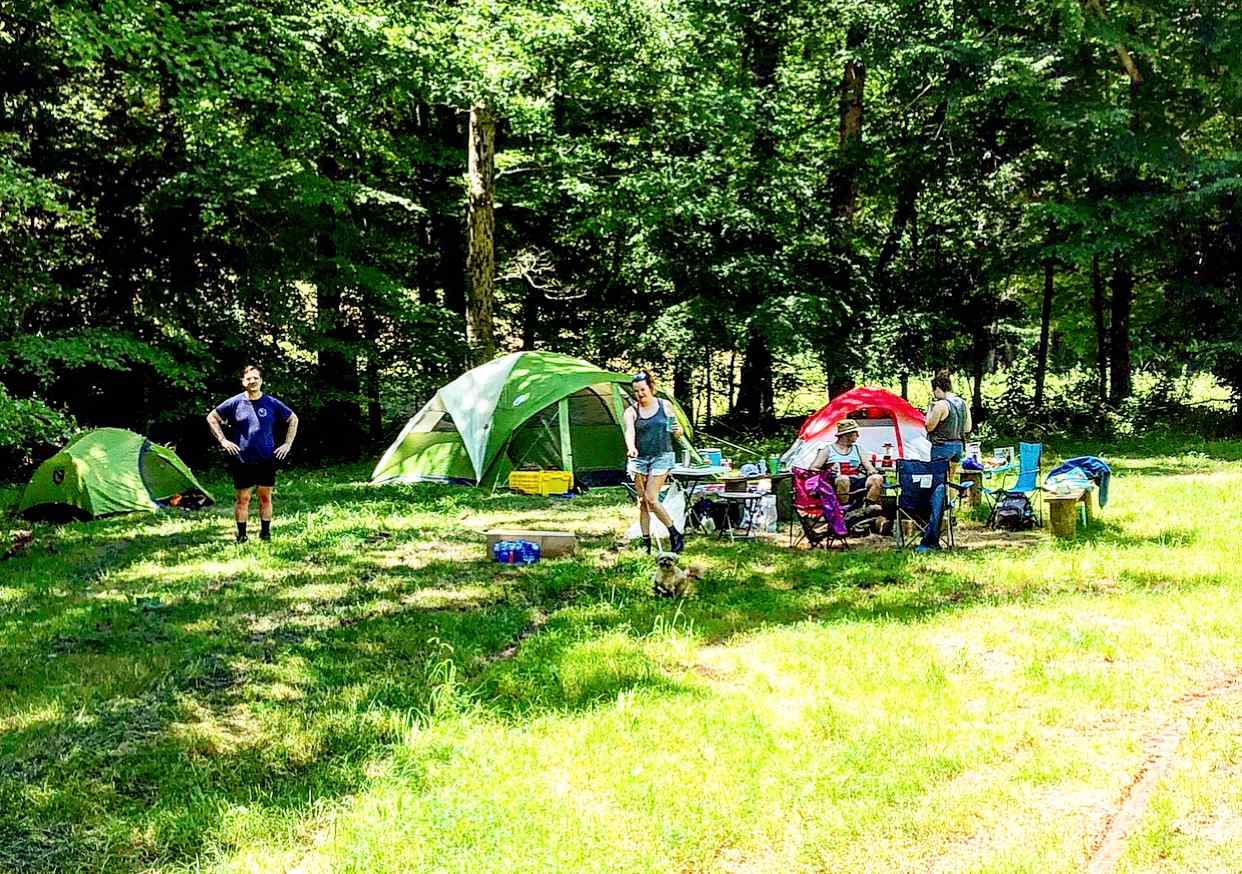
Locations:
252 425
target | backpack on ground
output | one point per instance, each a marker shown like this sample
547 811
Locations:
1014 512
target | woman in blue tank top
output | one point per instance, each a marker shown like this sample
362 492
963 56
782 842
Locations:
650 426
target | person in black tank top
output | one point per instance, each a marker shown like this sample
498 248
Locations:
650 426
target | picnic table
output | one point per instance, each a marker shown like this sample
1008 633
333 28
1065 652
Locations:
692 478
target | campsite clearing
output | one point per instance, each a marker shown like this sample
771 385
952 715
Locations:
369 693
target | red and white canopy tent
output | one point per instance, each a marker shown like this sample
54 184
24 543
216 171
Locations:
886 423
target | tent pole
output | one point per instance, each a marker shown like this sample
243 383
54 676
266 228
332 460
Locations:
715 439
567 446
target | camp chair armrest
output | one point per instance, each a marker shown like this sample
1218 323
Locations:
961 487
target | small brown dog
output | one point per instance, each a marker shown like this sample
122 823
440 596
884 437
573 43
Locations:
670 580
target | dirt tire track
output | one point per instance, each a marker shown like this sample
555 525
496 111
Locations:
1161 749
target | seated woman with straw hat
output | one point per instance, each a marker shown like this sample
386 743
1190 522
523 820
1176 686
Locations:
853 471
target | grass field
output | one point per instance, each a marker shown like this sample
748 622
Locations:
369 693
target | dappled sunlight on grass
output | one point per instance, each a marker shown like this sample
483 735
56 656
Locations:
32 716
370 692
1194 821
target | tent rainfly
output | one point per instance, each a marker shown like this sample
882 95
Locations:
522 410
107 471
886 423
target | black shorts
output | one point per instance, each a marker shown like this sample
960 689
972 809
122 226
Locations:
246 475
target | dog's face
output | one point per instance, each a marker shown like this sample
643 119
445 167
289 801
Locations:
666 561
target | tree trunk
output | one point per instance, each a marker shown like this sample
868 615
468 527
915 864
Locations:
337 362
761 48
177 227
480 235
375 412
905 386
451 238
1045 324
849 131
530 318
839 385
905 214
732 405
1101 328
707 371
978 364
448 219
755 401
1119 340
426 179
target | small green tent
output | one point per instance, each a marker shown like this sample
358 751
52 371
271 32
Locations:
106 471
525 409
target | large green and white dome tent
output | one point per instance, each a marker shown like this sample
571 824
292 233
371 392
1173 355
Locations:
526 409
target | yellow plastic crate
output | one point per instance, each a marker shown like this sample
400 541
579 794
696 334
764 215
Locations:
541 482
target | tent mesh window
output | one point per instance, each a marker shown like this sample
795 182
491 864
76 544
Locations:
588 407
598 447
537 442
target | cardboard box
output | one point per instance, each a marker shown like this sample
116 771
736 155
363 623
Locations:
551 543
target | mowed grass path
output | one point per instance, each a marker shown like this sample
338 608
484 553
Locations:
348 698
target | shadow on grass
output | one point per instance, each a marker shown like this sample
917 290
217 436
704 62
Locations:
139 705
1107 533
155 679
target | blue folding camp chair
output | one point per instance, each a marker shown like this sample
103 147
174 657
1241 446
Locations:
929 501
1028 481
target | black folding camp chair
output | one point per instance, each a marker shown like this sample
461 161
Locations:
927 502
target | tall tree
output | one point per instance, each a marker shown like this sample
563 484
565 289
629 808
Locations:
481 234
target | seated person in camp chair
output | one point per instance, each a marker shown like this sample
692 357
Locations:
855 472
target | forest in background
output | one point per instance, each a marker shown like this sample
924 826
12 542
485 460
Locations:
749 196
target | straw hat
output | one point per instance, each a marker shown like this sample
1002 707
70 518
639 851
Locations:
846 426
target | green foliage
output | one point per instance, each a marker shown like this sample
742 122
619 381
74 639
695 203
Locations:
1073 409
185 188
49 357
27 425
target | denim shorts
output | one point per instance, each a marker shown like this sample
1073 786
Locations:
950 449
653 466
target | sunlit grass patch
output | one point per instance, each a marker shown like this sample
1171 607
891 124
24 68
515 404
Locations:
1194 821
370 692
